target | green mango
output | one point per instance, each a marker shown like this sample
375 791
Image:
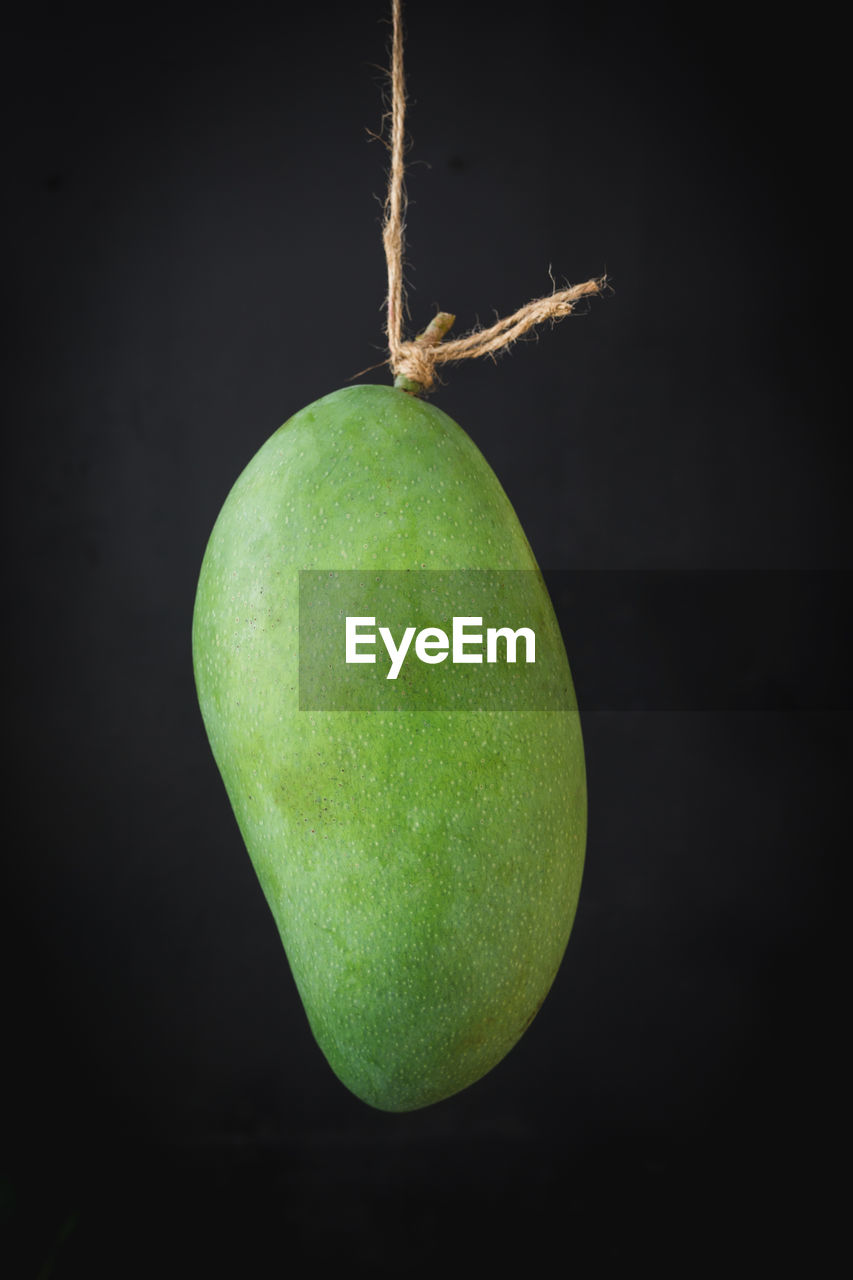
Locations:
422 865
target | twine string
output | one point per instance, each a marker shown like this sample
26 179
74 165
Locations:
392 230
413 362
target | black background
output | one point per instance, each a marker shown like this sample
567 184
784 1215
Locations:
192 240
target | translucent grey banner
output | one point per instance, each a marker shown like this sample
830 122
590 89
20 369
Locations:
749 640
400 640
653 640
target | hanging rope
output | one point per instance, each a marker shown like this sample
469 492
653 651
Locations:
413 362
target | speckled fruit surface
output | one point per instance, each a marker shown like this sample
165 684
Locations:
423 867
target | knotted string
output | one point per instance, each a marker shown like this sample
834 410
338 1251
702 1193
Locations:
413 362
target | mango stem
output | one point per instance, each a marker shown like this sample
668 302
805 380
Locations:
438 326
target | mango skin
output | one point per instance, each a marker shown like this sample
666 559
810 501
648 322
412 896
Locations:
423 867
